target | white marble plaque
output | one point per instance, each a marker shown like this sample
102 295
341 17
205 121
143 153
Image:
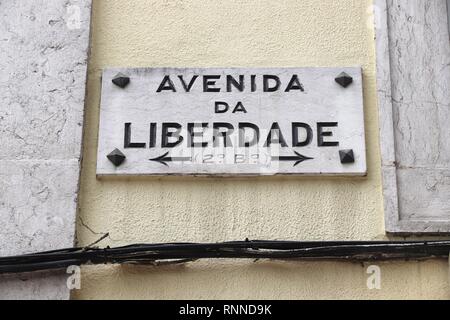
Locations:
232 121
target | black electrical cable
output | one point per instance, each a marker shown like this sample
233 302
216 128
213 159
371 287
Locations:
176 252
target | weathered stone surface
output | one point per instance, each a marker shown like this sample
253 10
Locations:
29 286
332 113
43 62
414 100
37 205
433 186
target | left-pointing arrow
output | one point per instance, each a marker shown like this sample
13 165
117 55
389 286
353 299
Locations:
165 158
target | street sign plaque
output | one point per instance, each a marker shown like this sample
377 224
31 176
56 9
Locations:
231 121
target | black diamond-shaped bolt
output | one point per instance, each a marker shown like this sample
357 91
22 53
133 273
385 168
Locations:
344 79
121 80
347 156
116 157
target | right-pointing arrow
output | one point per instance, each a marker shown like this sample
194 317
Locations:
298 158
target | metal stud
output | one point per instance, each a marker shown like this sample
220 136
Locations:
116 157
344 79
347 156
121 80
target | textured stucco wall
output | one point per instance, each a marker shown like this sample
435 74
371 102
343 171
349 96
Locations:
238 33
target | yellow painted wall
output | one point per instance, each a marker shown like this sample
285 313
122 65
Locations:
250 33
